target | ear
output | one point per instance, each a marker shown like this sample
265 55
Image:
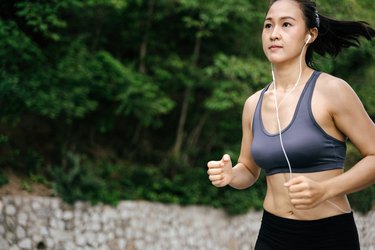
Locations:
313 34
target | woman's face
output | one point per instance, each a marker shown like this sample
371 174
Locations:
284 32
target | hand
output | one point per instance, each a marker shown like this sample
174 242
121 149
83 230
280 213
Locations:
305 193
220 172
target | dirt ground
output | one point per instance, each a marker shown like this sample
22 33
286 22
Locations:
19 185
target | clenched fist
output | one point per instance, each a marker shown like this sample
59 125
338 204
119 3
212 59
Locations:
220 172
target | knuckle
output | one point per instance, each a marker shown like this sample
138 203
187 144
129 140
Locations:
216 183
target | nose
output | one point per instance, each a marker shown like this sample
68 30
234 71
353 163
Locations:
275 34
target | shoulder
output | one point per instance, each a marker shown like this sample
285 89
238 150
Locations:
336 92
250 106
252 101
331 84
330 81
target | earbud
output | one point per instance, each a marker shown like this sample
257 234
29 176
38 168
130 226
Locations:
308 39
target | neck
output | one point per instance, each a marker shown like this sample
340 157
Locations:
287 75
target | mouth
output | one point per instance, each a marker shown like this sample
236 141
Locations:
274 47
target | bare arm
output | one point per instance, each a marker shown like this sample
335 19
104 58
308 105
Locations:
352 120
245 172
347 116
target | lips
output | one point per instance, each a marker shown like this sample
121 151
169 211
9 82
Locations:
275 47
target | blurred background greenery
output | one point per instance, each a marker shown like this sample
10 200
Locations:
105 100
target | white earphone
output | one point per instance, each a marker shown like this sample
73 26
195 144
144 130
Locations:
278 119
308 39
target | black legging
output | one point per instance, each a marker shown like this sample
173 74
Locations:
332 233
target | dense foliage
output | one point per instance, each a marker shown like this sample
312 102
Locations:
128 99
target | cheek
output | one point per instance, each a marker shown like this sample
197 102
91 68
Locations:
264 36
264 42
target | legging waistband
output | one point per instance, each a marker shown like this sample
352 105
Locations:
331 233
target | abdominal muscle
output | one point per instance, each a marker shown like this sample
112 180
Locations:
277 199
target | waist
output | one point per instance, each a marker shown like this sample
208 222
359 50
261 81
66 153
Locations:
277 220
277 200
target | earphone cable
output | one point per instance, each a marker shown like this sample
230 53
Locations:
277 105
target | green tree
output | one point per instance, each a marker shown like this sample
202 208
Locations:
144 83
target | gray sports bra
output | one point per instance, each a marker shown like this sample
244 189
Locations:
309 148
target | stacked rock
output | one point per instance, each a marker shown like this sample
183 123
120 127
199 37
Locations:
29 222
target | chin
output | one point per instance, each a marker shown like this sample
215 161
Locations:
275 60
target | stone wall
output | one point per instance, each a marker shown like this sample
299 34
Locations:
49 223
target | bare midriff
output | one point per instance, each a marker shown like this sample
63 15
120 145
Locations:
277 199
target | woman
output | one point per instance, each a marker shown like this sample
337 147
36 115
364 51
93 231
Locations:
295 129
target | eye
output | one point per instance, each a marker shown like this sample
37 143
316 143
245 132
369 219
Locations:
287 24
267 26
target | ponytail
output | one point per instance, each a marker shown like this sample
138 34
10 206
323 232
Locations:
336 35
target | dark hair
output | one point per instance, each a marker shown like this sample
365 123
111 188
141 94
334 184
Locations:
334 35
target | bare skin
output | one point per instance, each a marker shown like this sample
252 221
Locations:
278 199
335 107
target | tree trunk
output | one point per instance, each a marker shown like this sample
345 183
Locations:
185 103
143 48
196 132
99 26
197 50
181 123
